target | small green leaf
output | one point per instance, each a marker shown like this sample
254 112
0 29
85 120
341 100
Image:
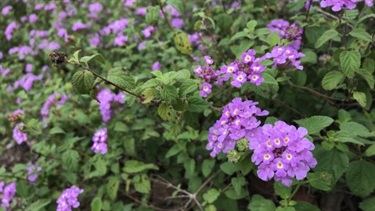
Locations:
38 205
315 124
333 161
70 159
121 78
325 37
281 190
367 76
360 178
174 150
189 166
305 206
350 61
168 93
360 97
211 195
228 168
83 81
238 183
251 25
165 112
152 15
370 151
207 167
196 104
22 188
177 4
320 181
368 204
96 57
332 79
182 43
112 187
356 129
134 166
96 204
361 34
143 186
273 39
259 203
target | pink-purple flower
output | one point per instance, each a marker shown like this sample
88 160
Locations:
32 172
106 98
69 199
8 193
281 152
100 141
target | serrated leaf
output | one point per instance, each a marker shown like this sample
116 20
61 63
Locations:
360 97
165 112
70 159
350 61
121 79
325 37
332 79
315 124
258 203
96 57
112 187
38 205
96 204
367 76
168 93
360 178
211 195
134 166
187 87
83 81
333 161
196 104
361 34
320 182
182 43
356 129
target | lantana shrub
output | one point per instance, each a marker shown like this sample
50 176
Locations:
187 105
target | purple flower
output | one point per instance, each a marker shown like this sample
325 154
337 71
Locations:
78 26
8 193
156 65
32 172
69 199
293 33
141 11
33 18
9 30
120 40
4 71
205 89
100 138
95 7
148 31
285 56
141 45
6 10
1 55
208 60
281 152
238 119
239 79
38 6
50 6
128 3
28 68
18 135
53 99
172 10
339 5
95 41
177 23
106 98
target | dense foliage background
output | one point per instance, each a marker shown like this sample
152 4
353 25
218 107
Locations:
179 105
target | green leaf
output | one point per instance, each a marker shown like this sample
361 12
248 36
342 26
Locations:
310 56
56 130
370 151
165 112
251 25
238 35
356 129
333 161
350 61
228 168
189 166
332 79
174 150
144 186
83 81
134 166
368 204
96 57
168 93
188 86
112 187
360 178
152 15
177 4
121 79
273 39
360 97
182 43
321 181
281 190
325 37
70 159
361 34
367 76
305 206
211 195
196 104
259 203
22 188
38 205
224 21
238 183
96 204
70 177
207 167
315 124
232 194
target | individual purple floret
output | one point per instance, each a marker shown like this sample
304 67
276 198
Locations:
69 199
238 119
285 56
18 135
100 141
281 152
8 193
32 172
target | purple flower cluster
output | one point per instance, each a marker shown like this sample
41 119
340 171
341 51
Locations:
106 98
338 5
18 135
100 138
292 33
7 193
69 199
54 98
285 56
281 152
237 121
4 71
238 71
176 21
32 172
